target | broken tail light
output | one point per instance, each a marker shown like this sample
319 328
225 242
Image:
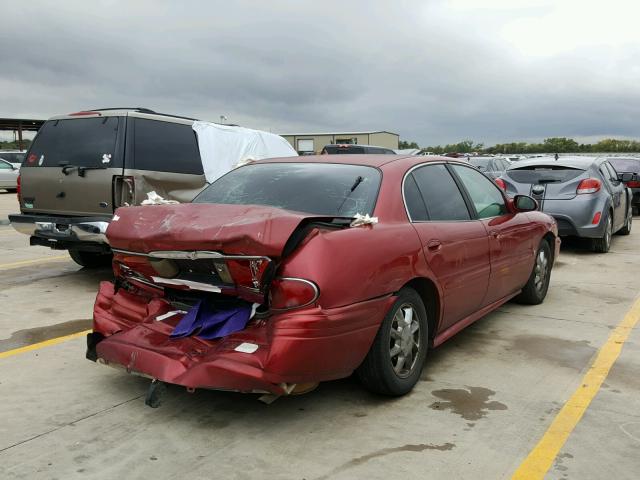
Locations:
588 185
287 293
124 191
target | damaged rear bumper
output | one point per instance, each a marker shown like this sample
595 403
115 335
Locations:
304 346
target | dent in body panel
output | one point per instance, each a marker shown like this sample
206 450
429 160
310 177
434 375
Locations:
181 187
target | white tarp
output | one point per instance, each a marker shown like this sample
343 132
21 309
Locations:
224 147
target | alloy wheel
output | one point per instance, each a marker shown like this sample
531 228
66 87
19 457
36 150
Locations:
541 269
404 342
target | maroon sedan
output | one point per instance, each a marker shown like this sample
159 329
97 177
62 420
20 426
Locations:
289 272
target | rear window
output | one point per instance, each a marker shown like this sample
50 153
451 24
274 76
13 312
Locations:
620 164
480 163
83 142
544 174
166 147
318 188
335 150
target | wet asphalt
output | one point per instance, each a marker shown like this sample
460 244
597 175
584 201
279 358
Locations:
484 400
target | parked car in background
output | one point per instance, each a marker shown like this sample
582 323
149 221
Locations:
632 166
8 176
585 195
14 157
346 149
82 166
349 263
493 167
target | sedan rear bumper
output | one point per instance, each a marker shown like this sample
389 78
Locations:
305 346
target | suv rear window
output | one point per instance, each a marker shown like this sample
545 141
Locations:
318 188
620 164
544 174
82 142
166 147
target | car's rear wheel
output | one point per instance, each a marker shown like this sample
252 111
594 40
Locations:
603 244
394 362
626 230
536 288
90 259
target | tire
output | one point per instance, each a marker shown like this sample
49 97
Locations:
603 244
536 287
626 230
381 371
90 259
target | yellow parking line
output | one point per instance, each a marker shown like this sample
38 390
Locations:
7 266
541 458
46 343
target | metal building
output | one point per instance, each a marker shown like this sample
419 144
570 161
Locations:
315 142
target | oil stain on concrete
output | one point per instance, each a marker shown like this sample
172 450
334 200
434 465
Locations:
29 336
471 403
575 354
420 447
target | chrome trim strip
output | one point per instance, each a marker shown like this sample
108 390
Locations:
192 255
313 285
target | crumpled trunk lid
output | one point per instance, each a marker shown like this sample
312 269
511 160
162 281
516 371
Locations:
232 229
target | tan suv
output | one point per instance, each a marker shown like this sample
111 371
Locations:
83 166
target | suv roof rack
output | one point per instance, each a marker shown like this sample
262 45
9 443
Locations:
141 110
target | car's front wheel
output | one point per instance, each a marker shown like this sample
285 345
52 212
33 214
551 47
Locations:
90 259
535 291
394 362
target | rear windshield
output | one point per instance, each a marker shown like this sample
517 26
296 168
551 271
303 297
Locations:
544 174
481 163
84 142
318 188
12 157
620 164
335 150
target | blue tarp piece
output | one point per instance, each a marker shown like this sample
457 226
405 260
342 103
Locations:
206 321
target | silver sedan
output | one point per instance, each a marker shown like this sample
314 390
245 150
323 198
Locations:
8 175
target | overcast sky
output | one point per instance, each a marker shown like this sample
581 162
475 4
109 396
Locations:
433 71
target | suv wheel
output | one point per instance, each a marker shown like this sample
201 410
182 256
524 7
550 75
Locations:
90 259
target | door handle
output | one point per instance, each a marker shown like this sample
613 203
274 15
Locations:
434 245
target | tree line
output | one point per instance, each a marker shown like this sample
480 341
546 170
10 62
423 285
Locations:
7 145
549 145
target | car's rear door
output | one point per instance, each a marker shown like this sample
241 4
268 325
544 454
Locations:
511 235
70 166
163 156
455 246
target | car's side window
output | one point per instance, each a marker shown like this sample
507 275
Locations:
441 194
413 199
485 195
5 166
612 172
166 147
606 175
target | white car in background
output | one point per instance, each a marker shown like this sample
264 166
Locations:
8 175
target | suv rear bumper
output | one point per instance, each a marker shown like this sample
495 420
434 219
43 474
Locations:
60 232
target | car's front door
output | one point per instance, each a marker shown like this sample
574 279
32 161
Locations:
455 246
511 235
617 189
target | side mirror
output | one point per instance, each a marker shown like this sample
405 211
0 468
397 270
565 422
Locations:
625 177
524 203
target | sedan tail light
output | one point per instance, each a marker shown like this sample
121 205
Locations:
633 184
588 185
288 293
501 184
124 191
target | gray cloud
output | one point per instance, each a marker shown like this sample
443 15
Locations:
430 73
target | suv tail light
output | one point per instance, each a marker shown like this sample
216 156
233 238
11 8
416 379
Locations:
124 191
633 184
501 184
588 185
287 293
18 188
